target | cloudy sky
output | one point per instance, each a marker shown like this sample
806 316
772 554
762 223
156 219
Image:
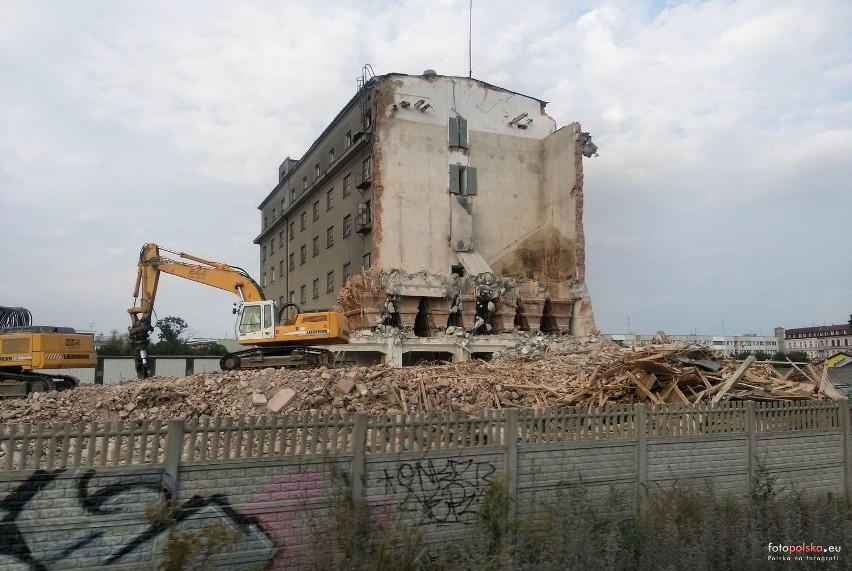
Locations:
720 203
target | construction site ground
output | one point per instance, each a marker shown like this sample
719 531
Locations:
539 372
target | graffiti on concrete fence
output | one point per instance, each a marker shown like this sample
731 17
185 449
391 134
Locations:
280 508
53 521
439 491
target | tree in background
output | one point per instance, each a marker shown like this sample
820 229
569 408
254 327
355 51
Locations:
795 356
117 345
173 340
174 333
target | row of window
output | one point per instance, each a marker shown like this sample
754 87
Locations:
329 281
366 170
366 175
363 220
835 332
822 343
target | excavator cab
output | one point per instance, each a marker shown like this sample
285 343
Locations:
256 320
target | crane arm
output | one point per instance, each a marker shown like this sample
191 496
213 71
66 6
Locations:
152 264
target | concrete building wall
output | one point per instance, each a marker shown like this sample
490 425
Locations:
524 214
728 344
294 197
465 176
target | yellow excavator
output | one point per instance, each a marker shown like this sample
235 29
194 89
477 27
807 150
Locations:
277 336
25 349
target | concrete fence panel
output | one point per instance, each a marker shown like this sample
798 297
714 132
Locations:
114 495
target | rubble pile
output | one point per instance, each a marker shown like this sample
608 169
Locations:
540 372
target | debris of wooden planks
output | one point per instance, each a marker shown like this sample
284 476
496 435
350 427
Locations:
677 374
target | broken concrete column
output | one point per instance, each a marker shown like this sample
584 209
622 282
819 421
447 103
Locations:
531 305
407 308
438 309
372 307
531 311
506 309
467 308
561 312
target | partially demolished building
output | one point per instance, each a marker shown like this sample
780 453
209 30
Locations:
439 206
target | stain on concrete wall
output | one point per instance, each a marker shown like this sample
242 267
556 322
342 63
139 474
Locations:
542 255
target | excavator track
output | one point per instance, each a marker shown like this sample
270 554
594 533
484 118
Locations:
22 383
260 358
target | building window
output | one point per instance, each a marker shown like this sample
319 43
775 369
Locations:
462 180
347 272
329 199
263 253
272 246
273 215
292 230
292 261
329 237
316 171
364 218
331 155
316 288
283 206
347 139
367 168
329 281
304 183
316 211
291 297
347 225
292 195
368 120
265 222
303 219
281 239
303 294
281 270
303 254
366 261
316 246
347 185
263 279
272 274
458 132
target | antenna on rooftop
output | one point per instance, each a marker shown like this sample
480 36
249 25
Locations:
470 40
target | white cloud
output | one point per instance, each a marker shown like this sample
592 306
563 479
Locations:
724 131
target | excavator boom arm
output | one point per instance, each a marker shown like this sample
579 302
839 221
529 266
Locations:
152 264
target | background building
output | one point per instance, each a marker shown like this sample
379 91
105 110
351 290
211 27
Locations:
819 342
727 344
461 200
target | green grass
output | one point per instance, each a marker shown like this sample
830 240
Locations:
686 526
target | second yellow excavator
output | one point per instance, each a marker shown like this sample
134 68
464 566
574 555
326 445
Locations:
276 338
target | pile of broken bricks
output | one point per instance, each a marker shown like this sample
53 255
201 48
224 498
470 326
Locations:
595 372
